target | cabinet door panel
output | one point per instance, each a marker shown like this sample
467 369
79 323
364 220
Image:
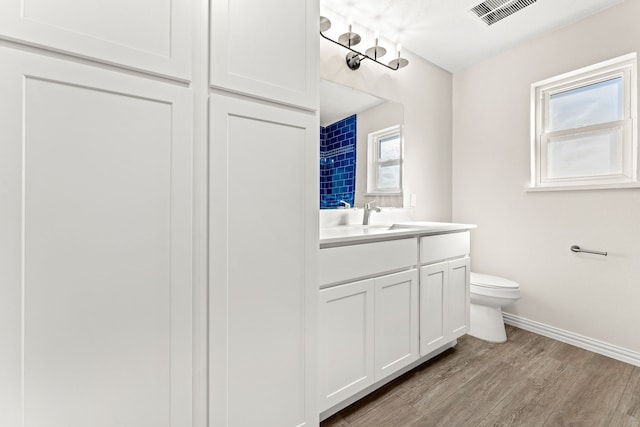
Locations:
458 297
346 341
266 49
149 35
396 322
263 283
433 306
95 294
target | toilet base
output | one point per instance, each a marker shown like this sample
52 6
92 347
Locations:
486 323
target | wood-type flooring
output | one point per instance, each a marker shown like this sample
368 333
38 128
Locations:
529 381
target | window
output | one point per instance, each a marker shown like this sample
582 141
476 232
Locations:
384 162
583 128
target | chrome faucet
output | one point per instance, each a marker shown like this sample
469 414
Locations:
368 207
344 204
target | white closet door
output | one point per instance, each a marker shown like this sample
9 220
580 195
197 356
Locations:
267 49
263 248
148 35
95 243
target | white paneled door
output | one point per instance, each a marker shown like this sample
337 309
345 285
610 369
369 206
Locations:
148 35
266 49
95 247
263 253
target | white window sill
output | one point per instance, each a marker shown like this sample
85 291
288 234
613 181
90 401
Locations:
621 186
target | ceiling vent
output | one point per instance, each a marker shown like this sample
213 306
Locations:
492 11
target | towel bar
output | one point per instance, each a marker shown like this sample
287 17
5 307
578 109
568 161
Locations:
576 248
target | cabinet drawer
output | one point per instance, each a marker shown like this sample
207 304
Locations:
444 246
344 263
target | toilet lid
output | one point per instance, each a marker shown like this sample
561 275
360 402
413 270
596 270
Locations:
489 281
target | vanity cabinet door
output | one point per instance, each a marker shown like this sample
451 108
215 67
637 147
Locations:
266 49
444 303
396 322
433 306
458 297
346 341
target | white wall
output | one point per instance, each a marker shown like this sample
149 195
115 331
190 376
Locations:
425 92
526 236
374 119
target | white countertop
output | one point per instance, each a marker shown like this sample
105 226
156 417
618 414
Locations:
353 234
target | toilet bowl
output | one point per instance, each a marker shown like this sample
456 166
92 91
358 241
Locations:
488 294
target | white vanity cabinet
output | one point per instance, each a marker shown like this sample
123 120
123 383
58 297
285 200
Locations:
387 306
368 328
444 289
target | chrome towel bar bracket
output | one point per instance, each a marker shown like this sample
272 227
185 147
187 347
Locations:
576 248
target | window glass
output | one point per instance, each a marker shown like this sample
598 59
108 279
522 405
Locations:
389 176
389 148
584 155
593 104
584 128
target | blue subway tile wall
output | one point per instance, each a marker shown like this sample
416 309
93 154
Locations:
338 163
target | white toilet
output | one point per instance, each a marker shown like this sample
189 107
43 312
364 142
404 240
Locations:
488 295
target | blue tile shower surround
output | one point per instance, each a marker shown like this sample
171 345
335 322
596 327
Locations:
338 163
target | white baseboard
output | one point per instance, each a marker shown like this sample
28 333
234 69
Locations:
600 347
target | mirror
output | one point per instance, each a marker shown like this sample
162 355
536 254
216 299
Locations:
349 149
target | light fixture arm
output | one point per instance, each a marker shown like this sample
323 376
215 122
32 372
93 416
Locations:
354 57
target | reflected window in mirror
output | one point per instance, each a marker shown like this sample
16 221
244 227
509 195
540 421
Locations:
384 161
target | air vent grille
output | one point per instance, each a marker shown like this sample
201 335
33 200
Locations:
492 11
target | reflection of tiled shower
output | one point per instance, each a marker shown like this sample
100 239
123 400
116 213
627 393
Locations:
338 163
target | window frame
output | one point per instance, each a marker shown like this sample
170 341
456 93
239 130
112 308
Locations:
625 67
373 163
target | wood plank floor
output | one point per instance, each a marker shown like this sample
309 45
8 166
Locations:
529 381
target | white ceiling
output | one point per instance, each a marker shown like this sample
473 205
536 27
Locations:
445 33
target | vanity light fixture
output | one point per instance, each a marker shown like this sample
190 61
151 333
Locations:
350 39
